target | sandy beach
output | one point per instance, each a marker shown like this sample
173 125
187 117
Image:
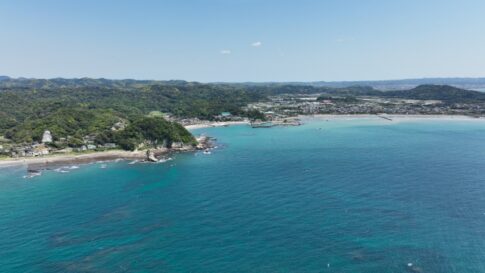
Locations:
394 118
60 159
214 124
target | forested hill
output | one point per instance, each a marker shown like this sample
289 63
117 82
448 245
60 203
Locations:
197 100
438 92
443 93
7 82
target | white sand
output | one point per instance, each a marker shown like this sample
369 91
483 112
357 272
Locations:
394 117
214 124
69 158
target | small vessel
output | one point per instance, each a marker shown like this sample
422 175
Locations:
103 166
207 152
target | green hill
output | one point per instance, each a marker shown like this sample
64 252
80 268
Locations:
438 92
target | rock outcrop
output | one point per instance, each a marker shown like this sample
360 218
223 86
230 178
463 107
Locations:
203 142
47 137
151 156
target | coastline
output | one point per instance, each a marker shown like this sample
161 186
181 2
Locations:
215 124
67 159
391 117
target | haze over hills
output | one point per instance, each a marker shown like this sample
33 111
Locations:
401 84
465 83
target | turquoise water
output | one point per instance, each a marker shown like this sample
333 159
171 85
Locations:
338 196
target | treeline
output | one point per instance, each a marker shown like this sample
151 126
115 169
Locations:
74 123
31 106
445 93
73 127
155 130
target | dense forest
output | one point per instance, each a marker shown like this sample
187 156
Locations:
155 130
24 109
74 122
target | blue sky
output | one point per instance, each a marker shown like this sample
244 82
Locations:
243 40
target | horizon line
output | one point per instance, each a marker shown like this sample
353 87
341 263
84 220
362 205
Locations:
242 82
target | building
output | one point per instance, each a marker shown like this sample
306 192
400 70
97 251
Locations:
91 147
224 116
109 145
39 150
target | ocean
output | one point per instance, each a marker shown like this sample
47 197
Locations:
358 195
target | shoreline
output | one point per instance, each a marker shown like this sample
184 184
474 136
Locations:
392 118
69 159
66 159
214 124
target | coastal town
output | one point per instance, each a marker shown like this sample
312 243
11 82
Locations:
286 109
293 105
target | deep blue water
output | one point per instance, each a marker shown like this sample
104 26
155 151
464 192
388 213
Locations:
338 196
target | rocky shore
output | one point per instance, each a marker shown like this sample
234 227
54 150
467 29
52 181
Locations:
149 155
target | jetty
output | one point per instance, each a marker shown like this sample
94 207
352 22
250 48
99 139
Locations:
385 117
263 124
276 122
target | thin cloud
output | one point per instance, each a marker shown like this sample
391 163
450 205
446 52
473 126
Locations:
225 52
256 44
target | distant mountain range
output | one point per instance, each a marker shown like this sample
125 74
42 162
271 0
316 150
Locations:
465 83
7 82
452 91
404 84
